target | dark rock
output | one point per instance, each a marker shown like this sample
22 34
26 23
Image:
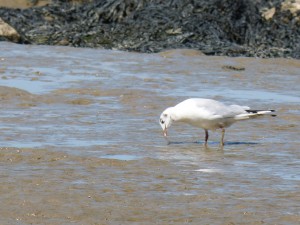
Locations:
216 27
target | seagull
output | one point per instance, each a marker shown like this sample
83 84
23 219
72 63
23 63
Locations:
207 114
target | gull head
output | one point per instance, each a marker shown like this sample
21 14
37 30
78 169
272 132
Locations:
165 120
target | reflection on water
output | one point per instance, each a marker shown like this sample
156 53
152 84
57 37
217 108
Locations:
100 109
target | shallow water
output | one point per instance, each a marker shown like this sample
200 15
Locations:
80 141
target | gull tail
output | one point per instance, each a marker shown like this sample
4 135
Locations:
255 113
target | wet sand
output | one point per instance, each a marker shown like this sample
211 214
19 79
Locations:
80 141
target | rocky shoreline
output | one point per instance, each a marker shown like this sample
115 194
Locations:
217 27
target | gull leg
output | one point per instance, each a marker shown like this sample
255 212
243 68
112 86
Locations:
222 138
206 138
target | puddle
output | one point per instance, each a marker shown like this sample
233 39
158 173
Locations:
121 157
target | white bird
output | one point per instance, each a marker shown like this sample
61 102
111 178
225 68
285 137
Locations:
207 114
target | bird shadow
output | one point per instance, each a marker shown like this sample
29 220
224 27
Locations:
212 143
241 143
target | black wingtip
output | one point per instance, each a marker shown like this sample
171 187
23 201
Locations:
257 111
273 115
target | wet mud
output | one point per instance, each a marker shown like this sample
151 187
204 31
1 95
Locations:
80 141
